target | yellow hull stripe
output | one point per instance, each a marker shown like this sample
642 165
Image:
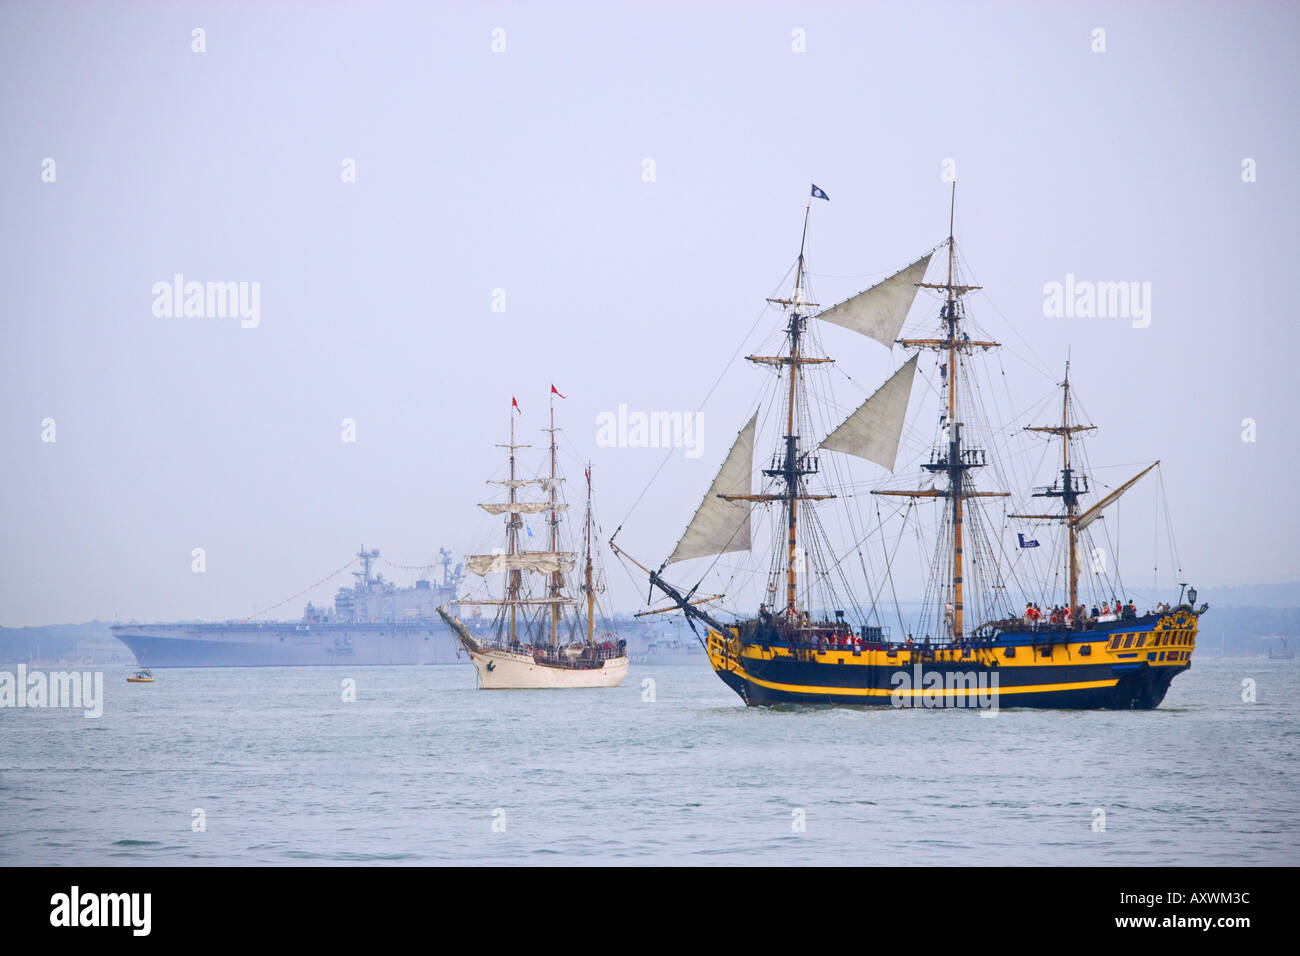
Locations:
885 692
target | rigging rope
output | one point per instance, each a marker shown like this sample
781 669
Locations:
332 574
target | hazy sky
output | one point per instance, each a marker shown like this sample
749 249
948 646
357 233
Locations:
525 171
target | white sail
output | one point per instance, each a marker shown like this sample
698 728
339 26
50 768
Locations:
879 312
1093 513
873 430
543 562
521 507
722 526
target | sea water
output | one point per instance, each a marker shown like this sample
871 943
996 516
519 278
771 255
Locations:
414 765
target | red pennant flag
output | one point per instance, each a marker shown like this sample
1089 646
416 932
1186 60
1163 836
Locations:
514 402
556 391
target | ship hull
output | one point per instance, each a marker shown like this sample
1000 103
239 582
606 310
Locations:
497 668
288 645
1118 666
503 670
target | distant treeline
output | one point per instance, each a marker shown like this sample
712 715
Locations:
91 642
1247 630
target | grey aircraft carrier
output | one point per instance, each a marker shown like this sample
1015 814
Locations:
373 622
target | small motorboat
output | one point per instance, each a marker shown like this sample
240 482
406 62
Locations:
141 677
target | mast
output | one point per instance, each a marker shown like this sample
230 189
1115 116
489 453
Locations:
790 475
953 463
556 577
954 460
954 453
791 466
1071 499
514 577
590 584
368 558
1071 487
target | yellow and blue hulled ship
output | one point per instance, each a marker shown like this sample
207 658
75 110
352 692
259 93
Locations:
1120 665
1065 640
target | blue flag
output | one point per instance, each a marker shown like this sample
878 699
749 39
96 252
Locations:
819 194
1027 542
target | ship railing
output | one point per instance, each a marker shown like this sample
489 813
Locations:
555 657
1019 625
964 648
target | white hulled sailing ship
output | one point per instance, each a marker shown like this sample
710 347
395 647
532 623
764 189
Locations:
531 642
819 637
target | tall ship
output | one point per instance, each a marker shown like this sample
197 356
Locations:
372 622
535 638
1003 621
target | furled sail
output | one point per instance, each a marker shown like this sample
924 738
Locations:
543 562
521 507
722 526
546 483
872 432
879 312
488 602
1093 513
